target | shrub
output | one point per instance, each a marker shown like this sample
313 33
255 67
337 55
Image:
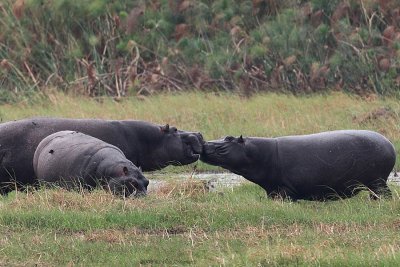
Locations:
120 47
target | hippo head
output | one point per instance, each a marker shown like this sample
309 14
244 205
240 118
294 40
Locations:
127 180
231 153
178 147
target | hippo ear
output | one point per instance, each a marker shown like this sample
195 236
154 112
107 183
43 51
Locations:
165 128
125 170
241 140
140 168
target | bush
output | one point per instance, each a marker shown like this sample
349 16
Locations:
120 47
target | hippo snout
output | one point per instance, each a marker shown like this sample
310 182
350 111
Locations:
141 193
200 137
128 186
140 189
196 142
208 148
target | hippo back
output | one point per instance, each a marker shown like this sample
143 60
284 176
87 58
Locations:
147 145
68 154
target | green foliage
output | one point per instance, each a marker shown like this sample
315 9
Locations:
327 6
107 47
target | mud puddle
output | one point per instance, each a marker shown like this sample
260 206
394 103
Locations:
217 181
213 181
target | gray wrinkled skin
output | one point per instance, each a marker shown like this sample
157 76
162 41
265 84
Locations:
328 165
73 160
147 145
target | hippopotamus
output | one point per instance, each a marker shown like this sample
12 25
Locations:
147 145
321 166
72 159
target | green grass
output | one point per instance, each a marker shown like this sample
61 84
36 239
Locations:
58 227
217 115
181 224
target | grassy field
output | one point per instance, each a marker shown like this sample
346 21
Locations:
266 115
183 224
54 227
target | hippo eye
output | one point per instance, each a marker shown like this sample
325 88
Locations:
174 129
229 138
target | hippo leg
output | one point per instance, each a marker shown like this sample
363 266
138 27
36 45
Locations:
379 189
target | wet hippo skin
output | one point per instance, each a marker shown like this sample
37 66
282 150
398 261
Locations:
75 160
147 145
327 165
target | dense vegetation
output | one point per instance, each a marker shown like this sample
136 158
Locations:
122 47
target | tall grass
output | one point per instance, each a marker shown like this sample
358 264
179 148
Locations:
119 48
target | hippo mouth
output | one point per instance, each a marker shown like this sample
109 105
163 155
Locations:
194 146
140 188
210 153
127 187
138 193
135 191
192 152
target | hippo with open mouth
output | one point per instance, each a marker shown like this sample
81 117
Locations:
76 160
327 165
146 145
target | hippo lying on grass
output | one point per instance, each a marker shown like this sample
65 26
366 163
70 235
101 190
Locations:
147 145
320 166
72 160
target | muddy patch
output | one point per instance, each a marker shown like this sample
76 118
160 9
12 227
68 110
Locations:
214 182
